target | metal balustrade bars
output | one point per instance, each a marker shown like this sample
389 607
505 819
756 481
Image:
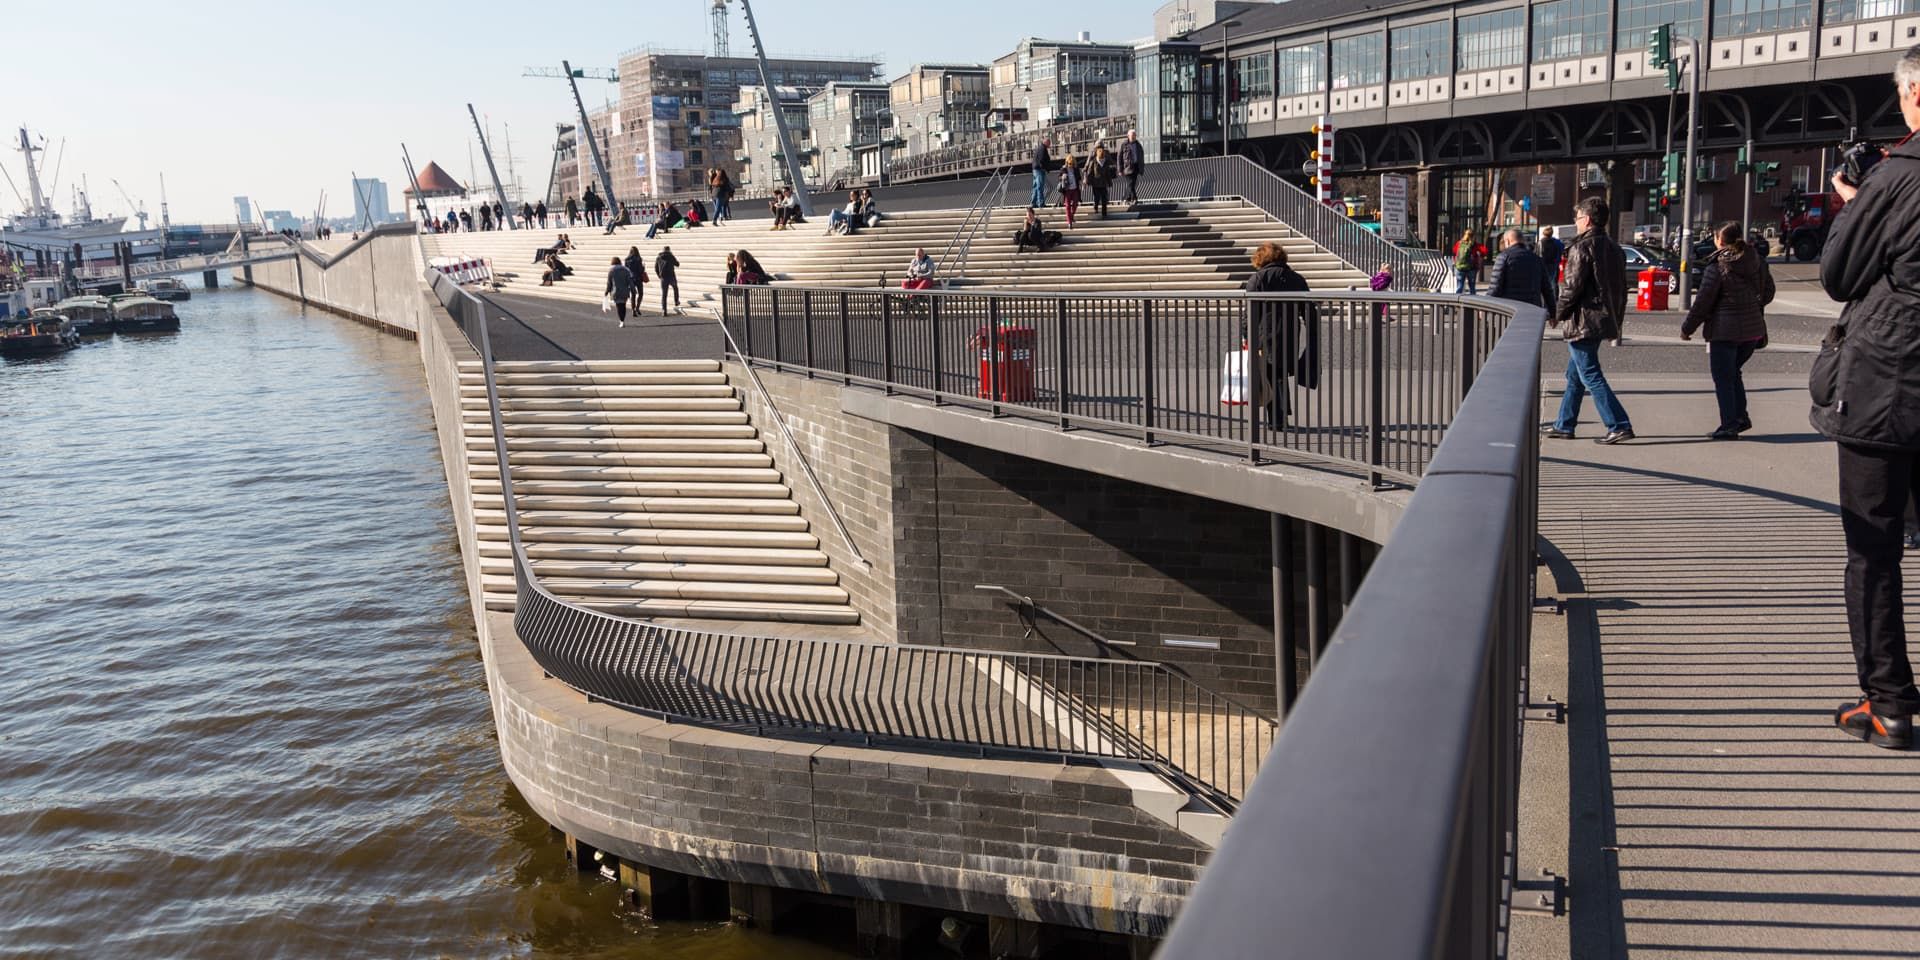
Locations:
1382 822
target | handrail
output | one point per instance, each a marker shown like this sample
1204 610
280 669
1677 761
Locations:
952 268
793 446
1130 711
1005 151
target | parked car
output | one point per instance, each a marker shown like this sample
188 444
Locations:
1643 257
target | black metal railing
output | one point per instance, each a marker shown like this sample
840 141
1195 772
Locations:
1368 382
982 701
1383 825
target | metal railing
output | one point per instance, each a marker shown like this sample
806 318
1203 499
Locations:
1383 824
984 702
1368 382
977 223
1339 234
1014 149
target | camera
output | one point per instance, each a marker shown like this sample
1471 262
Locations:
1857 158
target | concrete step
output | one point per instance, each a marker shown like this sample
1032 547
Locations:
593 404
657 553
724 573
684 512
603 390
815 613
596 378
621 473
513 417
484 456
630 590
644 537
631 431
690 445
634 488
598 366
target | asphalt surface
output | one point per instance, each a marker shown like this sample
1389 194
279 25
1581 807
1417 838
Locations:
563 330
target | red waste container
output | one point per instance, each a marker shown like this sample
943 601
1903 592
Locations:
1006 363
1653 289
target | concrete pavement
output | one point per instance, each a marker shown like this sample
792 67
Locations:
1714 810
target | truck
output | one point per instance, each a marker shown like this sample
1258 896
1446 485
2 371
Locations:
1803 224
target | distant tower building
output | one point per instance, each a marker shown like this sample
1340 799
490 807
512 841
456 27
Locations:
370 201
242 210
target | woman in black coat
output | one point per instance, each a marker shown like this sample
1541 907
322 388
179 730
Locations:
1735 288
1281 330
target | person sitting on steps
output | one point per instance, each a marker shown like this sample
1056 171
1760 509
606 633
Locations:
1034 234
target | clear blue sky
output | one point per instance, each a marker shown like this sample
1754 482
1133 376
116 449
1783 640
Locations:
280 100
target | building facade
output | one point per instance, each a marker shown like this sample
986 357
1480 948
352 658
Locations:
676 114
370 201
939 105
573 161
1466 93
1059 81
761 165
842 118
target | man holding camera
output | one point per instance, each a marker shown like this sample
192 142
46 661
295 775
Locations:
1866 397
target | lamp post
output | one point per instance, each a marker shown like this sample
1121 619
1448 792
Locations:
1226 81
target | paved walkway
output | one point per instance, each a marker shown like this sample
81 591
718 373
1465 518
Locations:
1715 811
553 329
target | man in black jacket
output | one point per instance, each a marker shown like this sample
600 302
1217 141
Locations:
1863 385
1133 159
1593 301
1518 274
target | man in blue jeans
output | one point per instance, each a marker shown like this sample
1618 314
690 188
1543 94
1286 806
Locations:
1593 301
1041 161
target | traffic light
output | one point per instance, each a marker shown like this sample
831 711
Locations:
1660 45
1764 178
1742 163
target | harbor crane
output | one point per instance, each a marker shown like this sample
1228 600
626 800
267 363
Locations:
138 210
608 74
719 17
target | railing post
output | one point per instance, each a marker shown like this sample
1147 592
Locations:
886 342
773 311
939 361
1251 338
846 342
1376 393
1147 392
990 377
1066 362
1467 367
806 329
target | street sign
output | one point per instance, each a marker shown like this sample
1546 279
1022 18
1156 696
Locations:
1543 184
1393 207
1310 168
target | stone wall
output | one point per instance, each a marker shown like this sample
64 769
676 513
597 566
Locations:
374 280
850 457
1033 840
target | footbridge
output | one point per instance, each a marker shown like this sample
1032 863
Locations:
244 252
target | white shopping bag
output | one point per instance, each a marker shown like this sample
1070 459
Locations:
606 304
1233 379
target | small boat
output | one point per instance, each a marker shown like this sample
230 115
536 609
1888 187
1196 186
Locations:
90 316
143 315
37 336
165 288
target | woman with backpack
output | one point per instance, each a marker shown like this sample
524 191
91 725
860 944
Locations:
637 267
1466 262
1735 288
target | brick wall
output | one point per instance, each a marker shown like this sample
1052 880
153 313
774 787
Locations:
1129 561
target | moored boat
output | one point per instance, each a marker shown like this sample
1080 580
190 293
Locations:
143 315
38 335
90 316
165 288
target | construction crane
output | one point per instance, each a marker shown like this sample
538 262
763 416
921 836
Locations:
138 210
609 75
719 15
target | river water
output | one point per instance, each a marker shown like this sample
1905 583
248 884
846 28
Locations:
242 712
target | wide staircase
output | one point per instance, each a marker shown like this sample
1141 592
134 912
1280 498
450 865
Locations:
643 490
1161 247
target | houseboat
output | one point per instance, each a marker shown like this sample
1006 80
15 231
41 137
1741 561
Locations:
165 288
90 316
37 336
143 315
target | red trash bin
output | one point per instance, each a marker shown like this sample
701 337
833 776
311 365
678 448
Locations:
1653 289
1006 364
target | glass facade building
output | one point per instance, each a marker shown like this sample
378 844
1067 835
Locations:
1566 29
1488 41
1300 69
1848 11
1739 18
1637 17
1359 61
1420 51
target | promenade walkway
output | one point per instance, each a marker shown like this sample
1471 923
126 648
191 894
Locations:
1715 811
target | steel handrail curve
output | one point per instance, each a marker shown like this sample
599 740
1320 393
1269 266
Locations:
894 310
709 678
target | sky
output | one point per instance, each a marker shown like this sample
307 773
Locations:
281 100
